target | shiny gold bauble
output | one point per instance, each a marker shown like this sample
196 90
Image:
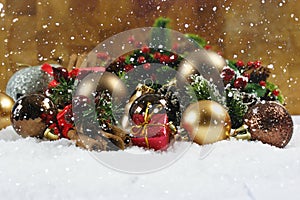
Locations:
6 104
32 114
206 122
269 122
102 81
206 63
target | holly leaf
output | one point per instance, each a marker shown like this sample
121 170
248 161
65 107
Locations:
272 87
231 64
255 88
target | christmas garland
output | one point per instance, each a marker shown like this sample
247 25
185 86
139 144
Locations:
250 107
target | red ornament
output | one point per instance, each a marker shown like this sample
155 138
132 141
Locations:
240 83
151 133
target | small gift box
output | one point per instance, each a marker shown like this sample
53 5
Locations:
151 132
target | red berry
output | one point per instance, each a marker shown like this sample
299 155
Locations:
147 66
276 92
207 47
227 74
164 59
157 55
257 64
247 75
250 63
240 83
121 59
141 59
145 49
239 63
128 68
262 83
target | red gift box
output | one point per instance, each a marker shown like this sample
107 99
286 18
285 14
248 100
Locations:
152 133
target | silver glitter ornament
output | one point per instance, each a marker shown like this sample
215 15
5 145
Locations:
27 81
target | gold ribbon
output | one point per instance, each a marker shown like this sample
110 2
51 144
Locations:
143 127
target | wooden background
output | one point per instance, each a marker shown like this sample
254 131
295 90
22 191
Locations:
38 31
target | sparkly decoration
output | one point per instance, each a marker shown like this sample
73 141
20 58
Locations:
206 122
30 80
270 123
32 114
6 104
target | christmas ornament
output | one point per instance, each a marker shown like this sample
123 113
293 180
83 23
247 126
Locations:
32 114
269 122
6 104
202 63
206 122
140 90
151 127
30 80
98 82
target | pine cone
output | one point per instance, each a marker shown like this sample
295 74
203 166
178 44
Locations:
170 93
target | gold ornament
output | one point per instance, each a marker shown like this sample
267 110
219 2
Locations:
32 114
206 63
206 122
6 104
97 82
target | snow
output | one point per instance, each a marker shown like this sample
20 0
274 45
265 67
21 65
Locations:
33 169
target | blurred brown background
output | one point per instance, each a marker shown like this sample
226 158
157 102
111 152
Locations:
38 31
